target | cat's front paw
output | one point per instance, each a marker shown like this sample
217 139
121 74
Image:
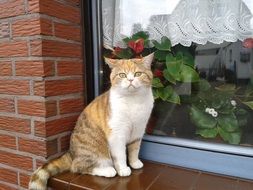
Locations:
126 171
105 172
136 165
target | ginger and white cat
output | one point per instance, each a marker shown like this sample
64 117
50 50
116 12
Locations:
110 126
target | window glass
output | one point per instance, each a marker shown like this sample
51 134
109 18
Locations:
203 65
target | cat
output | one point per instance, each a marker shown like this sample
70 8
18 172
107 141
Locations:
110 126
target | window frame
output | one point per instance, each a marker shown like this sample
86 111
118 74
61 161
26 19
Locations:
211 157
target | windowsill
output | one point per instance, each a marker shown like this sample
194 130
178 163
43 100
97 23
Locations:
152 176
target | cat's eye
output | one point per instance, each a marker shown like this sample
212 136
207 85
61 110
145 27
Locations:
122 75
137 74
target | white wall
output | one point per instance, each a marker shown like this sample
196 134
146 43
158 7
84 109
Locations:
204 61
243 70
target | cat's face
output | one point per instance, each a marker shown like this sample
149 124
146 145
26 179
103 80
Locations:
131 75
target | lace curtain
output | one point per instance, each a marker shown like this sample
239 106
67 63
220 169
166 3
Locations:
182 21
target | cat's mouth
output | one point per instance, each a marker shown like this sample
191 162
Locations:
131 86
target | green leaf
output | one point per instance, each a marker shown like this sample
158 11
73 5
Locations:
137 36
188 60
207 133
242 117
124 54
174 66
249 91
126 40
168 76
164 93
228 122
226 88
155 93
249 104
179 56
203 85
188 74
232 138
174 98
226 108
165 44
224 134
160 55
241 112
201 119
156 83
146 43
141 34
235 138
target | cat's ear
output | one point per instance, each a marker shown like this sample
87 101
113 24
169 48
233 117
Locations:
147 60
111 62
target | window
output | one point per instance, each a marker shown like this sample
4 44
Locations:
203 77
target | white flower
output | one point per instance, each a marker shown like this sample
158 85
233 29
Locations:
233 102
215 114
207 110
211 111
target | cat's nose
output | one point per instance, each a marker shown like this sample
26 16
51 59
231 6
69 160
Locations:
130 80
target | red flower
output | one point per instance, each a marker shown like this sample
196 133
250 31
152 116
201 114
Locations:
248 43
117 50
158 73
137 45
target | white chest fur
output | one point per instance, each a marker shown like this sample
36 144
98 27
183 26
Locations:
130 114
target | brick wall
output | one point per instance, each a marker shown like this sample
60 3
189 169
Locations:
41 87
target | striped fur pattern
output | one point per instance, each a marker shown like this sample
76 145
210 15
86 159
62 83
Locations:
108 132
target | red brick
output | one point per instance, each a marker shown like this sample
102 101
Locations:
67 31
34 68
4 30
32 146
49 128
13 49
68 68
53 48
15 124
58 87
24 180
56 9
14 87
33 6
7 105
6 187
41 148
8 141
51 108
65 143
52 147
75 2
37 108
40 163
8 176
17 161
11 8
39 88
71 105
31 26
5 69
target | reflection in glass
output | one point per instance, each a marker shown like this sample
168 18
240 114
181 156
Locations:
219 106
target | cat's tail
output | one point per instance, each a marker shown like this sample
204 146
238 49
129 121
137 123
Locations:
39 178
